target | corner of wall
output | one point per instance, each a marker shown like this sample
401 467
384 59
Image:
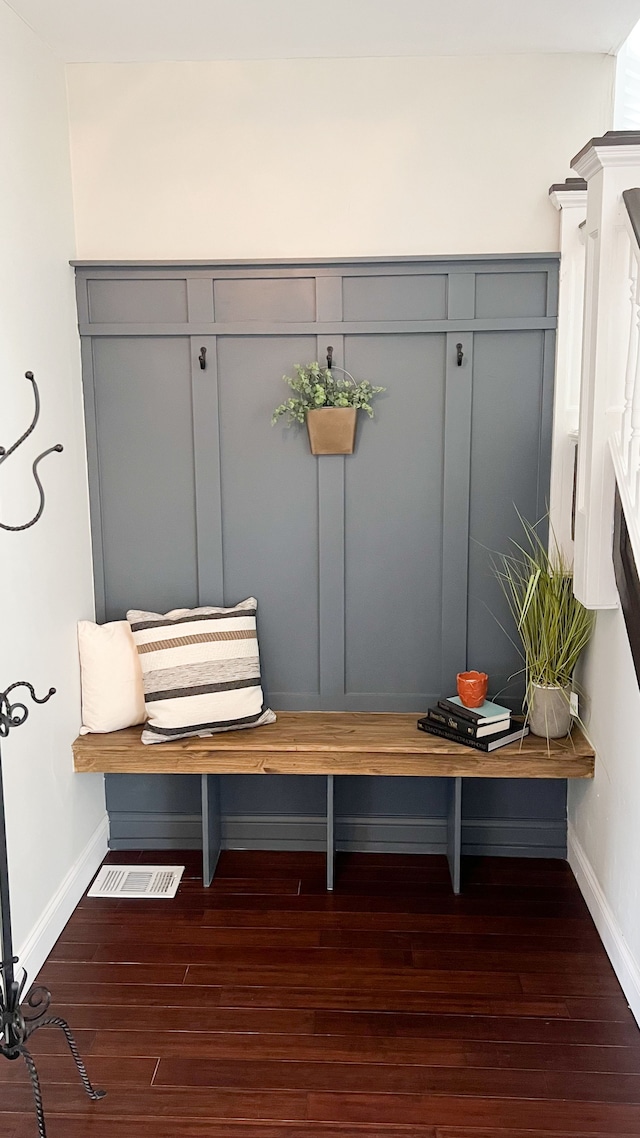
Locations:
624 963
36 948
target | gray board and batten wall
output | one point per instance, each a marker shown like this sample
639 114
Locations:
372 571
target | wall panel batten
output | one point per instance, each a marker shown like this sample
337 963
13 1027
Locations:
206 444
546 416
455 509
93 463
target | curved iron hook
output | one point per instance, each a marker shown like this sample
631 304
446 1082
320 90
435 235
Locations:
14 714
36 415
4 454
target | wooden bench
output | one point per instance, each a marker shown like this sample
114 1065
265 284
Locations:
330 744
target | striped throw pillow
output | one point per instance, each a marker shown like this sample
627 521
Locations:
200 671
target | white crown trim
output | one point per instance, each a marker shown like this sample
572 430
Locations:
600 157
564 199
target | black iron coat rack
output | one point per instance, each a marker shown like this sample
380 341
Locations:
20 1018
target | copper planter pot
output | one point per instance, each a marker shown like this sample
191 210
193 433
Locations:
472 688
332 430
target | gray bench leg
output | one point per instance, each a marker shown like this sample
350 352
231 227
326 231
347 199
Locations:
210 826
454 831
331 846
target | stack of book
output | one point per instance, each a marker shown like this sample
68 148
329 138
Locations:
486 727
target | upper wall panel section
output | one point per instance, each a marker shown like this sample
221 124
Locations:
328 157
254 298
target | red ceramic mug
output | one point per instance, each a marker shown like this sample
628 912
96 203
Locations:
472 688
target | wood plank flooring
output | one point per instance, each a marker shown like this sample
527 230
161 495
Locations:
265 1008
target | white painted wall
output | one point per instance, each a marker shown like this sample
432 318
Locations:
604 829
604 834
265 159
55 819
305 158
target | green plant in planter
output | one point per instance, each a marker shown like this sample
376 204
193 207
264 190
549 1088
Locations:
317 387
553 625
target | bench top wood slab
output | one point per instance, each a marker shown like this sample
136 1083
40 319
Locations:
322 742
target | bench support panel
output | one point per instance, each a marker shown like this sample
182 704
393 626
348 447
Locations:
211 836
454 831
212 841
331 837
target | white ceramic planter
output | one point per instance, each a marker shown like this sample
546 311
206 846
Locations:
550 711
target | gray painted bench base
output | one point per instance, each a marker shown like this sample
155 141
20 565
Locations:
212 839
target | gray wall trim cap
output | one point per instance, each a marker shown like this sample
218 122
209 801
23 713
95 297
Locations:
611 138
631 199
568 184
310 262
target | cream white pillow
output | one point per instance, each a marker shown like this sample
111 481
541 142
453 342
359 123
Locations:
111 677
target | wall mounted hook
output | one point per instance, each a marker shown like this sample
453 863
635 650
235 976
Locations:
459 354
329 357
202 358
6 452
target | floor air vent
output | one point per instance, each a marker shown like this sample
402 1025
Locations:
137 881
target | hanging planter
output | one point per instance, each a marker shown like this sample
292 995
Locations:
332 430
329 406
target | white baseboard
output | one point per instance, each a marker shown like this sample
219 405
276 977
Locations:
624 964
36 948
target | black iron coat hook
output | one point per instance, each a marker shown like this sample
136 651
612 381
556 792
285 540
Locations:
459 354
202 358
4 455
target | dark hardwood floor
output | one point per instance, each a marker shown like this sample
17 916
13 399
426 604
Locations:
265 1008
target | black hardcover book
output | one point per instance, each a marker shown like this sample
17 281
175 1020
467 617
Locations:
465 726
513 735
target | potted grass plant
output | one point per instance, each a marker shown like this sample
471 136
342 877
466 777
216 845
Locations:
553 626
328 405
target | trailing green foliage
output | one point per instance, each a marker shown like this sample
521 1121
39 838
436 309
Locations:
553 625
316 386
